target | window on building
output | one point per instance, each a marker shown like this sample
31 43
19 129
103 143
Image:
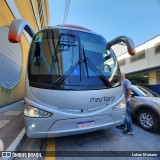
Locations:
158 76
122 62
157 49
41 13
139 56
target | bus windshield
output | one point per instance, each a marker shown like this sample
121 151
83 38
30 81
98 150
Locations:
74 60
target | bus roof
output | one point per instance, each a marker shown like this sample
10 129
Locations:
72 27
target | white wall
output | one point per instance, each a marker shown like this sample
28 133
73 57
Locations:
151 59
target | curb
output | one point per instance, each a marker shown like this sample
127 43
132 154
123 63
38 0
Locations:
11 106
16 144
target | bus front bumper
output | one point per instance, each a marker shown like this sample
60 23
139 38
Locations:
43 128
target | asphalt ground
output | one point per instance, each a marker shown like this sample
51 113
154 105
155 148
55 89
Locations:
90 146
11 125
95 145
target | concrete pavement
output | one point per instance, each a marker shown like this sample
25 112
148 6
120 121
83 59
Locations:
12 131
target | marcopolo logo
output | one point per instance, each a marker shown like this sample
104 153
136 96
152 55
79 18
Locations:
102 99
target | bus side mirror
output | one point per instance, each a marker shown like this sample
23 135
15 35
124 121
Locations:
16 28
128 41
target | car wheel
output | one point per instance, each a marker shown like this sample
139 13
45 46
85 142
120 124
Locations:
147 120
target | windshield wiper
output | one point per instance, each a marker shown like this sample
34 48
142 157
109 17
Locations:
61 44
85 61
68 43
67 73
88 63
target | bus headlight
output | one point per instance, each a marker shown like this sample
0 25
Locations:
30 111
119 106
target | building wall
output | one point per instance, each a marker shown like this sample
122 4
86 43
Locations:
119 49
9 10
27 12
152 77
150 63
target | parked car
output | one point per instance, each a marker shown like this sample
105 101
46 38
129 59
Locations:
145 108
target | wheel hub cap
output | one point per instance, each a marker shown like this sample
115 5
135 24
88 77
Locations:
146 120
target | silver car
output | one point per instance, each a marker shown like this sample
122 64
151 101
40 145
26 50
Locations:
145 108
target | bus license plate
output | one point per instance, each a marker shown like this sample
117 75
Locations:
85 124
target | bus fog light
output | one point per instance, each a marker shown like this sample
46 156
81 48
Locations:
30 111
121 105
32 126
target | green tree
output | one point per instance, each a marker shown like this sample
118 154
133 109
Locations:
137 79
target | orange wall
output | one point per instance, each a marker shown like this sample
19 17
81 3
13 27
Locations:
26 11
8 96
5 14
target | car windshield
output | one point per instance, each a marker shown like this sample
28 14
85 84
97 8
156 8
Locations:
68 59
141 91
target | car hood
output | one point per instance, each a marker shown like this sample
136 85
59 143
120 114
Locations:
152 99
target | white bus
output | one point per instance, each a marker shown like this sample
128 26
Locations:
73 81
